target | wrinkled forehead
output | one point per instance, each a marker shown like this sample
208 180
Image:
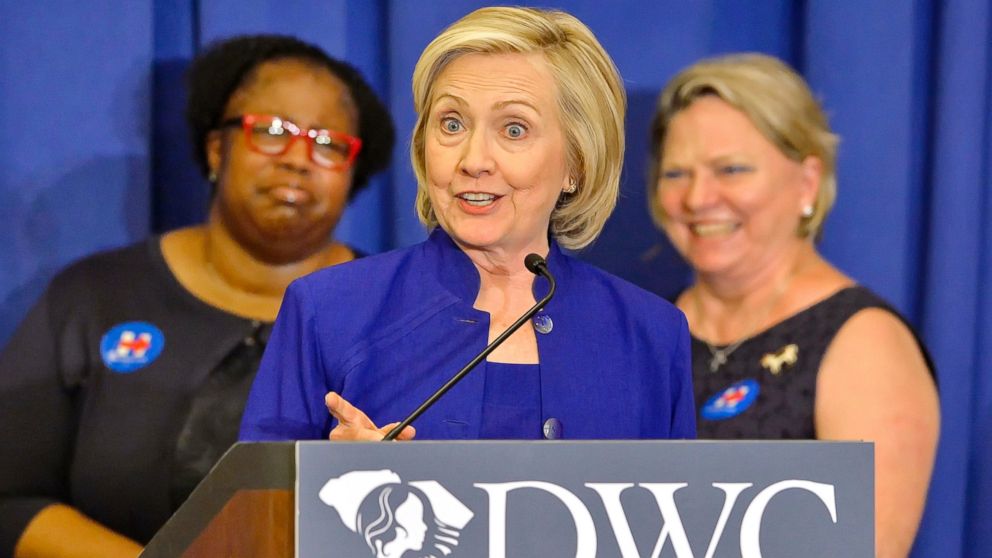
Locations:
527 76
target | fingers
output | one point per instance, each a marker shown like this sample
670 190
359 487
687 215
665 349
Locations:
346 413
407 434
355 425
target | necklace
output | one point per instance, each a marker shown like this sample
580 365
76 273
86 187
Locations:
719 355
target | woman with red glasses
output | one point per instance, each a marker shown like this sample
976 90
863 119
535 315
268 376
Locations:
128 379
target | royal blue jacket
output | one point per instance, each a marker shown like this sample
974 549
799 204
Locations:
386 331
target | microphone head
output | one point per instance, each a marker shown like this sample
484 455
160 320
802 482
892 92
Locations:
533 263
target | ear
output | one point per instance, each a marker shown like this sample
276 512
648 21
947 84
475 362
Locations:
214 146
811 175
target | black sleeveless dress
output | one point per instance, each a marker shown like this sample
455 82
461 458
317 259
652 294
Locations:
766 388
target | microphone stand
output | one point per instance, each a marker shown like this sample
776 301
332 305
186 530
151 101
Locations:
536 265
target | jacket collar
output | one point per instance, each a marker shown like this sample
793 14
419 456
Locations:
456 273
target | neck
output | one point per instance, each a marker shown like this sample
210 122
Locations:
232 265
724 309
505 283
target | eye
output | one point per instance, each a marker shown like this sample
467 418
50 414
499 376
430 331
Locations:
451 125
673 174
730 170
516 131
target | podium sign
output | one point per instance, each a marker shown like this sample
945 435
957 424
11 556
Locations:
627 499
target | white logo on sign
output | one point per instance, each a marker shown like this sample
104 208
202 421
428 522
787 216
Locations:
418 519
421 519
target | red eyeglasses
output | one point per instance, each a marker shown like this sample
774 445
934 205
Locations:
273 135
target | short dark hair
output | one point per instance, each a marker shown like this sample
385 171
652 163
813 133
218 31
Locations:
228 65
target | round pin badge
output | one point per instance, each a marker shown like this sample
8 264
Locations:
543 323
732 401
131 346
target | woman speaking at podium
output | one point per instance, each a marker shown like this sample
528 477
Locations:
517 150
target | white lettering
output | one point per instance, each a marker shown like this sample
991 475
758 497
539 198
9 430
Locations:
585 530
751 524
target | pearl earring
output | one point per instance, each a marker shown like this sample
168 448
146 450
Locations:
808 211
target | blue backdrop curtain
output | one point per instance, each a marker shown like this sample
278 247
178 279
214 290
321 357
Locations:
95 155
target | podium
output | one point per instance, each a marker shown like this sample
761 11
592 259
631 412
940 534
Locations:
581 499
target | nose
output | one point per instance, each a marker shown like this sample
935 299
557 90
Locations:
703 191
297 155
477 156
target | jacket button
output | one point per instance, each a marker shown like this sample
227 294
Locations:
553 429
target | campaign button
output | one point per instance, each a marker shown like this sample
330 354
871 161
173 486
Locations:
732 401
131 346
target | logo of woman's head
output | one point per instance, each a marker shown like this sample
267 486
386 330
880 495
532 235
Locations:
418 519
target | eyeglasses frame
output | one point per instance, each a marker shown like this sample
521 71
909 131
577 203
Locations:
247 122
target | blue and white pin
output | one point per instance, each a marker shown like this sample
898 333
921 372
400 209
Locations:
131 346
732 401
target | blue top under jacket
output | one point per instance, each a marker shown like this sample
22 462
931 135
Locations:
386 331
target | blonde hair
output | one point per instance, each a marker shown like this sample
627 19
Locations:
776 100
591 102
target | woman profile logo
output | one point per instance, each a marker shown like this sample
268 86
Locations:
419 519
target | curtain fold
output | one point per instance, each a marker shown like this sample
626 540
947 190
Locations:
956 280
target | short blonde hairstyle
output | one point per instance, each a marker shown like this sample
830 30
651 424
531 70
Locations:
590 97
777 101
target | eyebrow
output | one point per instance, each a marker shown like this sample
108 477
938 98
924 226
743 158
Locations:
498 106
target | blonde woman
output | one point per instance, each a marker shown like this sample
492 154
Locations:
517 149
784 344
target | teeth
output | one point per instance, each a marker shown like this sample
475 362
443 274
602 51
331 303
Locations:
478 198
713 229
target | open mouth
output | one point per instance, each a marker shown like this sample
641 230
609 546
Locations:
477 199
713 229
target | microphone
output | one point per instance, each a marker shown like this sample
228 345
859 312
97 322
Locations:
536 265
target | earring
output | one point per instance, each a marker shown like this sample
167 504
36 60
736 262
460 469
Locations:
212 177
571 186
808 211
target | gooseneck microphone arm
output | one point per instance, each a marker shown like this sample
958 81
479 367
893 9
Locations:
536 265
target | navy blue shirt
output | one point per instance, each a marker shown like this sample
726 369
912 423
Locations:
386 331
511 404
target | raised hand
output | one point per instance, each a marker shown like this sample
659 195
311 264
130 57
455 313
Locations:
354 425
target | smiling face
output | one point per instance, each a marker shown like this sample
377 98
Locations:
731 200
495 152
282 208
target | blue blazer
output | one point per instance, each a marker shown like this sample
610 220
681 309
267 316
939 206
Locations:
386 331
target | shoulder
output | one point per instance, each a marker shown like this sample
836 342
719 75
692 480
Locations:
110 268
607 289
623 310
369 289
363 276
876 354
864 321
876 334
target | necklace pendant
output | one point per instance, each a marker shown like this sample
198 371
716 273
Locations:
718 360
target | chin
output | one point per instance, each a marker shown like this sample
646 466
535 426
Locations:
474 237
279 246
709 265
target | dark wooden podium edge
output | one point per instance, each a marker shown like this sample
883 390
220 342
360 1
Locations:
265 470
